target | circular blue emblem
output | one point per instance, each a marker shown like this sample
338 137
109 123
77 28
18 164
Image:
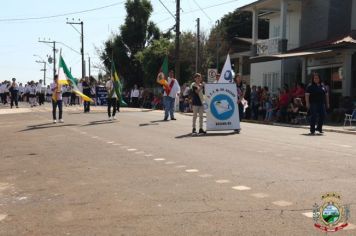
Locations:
228 75
222 107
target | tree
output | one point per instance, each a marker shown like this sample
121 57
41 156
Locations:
151 59
232 25
135 34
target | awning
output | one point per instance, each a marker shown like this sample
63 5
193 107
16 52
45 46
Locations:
289 55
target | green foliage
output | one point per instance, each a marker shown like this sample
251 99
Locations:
135 35
151 59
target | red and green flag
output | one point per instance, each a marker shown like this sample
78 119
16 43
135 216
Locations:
163 75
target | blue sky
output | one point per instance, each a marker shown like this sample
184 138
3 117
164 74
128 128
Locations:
19 39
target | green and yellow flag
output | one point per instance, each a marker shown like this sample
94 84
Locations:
117 84
65 77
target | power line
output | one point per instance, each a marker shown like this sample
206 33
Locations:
70 48
202 10
167 9
60 15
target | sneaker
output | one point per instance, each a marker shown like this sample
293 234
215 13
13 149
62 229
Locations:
173 118
194 131
61 121
201 131
311 133
54 121
114 118
165 119
110 118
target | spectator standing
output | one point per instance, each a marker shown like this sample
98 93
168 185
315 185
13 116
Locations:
134 95
317 101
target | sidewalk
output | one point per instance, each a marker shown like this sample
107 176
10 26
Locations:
328 128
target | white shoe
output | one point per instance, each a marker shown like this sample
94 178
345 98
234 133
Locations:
54 121
110 118
61 121
114 118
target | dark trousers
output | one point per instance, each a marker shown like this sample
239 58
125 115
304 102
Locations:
3 98
14 97
112 102
317 110
241 111
41 98
118 104
86 106
135 102
54 109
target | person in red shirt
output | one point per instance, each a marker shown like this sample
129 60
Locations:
283 105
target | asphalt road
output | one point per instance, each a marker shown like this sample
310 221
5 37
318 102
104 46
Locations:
141 176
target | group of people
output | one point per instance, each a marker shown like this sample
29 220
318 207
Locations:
253 102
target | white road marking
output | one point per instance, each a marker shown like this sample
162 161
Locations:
148 155
94 136
170 163
2 217
259 195
308 214
131 149
140 152
222 181
181 166
192 170
241 188
205 175
110 142
282 203
159 159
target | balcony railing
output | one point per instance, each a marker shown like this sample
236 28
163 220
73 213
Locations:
268 46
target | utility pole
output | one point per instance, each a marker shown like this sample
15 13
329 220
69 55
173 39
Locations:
197 51
44 70
54 54
217 44
89 66
177 56
81 23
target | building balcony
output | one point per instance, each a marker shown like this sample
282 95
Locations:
271 46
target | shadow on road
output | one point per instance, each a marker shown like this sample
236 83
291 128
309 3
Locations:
147 124
101 122
159 121
312 135
205 135
46 126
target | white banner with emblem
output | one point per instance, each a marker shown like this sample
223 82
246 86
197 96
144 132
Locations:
222 111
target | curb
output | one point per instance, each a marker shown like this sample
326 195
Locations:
286 125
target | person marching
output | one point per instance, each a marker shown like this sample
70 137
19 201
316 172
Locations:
32 93
169 94
14 90
87 92
56 100
317 100
112 99
198 99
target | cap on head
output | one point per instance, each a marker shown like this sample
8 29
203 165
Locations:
13 79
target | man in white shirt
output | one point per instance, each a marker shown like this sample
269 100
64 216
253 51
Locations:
135 93
112 99
14 92
40 92
169 96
